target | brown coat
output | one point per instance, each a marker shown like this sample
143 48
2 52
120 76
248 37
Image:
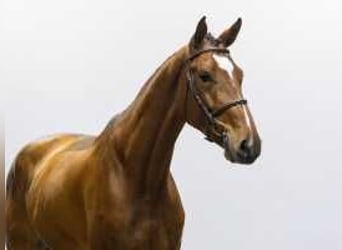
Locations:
115 191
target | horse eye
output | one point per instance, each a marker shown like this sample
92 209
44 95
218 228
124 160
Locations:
205 77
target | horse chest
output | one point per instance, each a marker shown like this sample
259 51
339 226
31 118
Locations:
156 229
148 231
142 225
136 221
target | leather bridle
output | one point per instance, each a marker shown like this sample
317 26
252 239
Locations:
214 131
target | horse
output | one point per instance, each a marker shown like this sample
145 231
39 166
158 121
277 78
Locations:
115 190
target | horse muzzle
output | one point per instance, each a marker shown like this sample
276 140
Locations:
246 152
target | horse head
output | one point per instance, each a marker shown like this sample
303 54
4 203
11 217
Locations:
217 106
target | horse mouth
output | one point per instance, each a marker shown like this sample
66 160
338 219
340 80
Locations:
226 148
228 156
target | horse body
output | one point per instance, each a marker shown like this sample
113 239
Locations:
115 190
72 202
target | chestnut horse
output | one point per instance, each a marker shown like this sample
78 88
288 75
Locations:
115 191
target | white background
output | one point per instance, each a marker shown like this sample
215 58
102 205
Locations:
70 65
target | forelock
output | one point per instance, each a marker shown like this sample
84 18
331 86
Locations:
214 41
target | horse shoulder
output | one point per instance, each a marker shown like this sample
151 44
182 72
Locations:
46 167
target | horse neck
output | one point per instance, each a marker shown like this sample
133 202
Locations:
143 136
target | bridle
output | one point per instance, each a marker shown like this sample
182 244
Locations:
214 130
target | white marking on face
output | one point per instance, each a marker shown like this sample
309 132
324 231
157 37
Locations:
224 63
248 121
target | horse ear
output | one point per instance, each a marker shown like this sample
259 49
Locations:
201 31
228 36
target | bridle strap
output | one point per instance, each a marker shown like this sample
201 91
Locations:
213 129
226 106
198 53
199 100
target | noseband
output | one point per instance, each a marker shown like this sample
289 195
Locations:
214 129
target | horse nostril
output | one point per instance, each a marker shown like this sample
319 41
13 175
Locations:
245 149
